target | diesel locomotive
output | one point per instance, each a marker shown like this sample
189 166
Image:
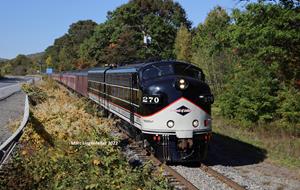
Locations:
167 104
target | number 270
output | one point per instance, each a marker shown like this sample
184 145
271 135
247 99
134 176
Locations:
150 99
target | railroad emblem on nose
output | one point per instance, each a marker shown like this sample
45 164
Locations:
182 110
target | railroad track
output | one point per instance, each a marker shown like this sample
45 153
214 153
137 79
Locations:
176 180
232 184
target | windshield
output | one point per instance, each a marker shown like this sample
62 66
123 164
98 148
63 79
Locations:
164 69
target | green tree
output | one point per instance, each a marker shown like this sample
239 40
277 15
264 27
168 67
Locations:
21 65
92 49
5 68
250 94
266 39
289 106
65 51
183 44
211 48
270 33
159 19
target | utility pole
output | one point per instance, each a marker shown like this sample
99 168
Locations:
40 63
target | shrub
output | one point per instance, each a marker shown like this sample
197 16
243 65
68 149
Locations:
36 95
289 107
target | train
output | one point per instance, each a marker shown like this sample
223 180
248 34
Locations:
166 104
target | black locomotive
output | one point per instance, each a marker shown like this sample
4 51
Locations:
166 103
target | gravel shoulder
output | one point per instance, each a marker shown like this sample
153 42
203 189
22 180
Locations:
11 109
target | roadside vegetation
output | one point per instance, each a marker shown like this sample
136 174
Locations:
59 149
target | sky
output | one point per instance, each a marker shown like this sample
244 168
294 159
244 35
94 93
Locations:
30 26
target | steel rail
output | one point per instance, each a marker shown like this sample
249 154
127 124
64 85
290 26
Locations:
175 174
221 177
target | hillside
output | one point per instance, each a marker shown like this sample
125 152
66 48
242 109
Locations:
35 55
2 59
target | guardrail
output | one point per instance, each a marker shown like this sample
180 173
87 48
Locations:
7 147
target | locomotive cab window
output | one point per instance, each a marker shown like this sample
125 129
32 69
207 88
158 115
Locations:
172 68
157 71
189 71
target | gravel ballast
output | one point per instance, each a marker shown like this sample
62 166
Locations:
199 178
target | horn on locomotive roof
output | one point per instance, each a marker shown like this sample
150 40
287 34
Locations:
113 65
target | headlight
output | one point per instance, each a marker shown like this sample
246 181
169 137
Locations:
170 123
195 123
182 84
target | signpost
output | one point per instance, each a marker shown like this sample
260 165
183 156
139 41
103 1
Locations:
49 71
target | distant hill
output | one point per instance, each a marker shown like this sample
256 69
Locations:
35 55
2 59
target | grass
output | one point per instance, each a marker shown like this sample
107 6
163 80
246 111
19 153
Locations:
283 148
57 151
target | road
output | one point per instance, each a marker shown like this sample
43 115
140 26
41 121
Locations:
11 103
10 85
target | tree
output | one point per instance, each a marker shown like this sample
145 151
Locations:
160 19
5 68
250 93
124 51
270 33
49 61
21 65
183 44
65 51
265 38
211 48
92 49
